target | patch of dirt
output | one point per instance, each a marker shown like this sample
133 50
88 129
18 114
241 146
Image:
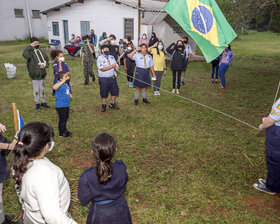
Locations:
261 207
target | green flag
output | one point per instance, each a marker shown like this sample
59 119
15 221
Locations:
204 22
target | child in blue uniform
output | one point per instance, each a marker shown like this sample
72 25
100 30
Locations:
272 148
59 66
62 103
104 185
144 63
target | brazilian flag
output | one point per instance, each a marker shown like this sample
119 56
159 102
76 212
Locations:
204 22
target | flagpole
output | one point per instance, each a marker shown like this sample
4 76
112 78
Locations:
15 118
139 19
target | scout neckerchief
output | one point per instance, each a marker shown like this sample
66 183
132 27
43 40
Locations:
145 62
40 62
107 59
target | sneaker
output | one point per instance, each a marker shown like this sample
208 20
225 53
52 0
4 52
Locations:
146 101
182 83
263 188
136 102
158 93
178 91
114 106
45 105
130 84
38 107
9 220
173 91
154 78
93 78
212 80
262 181
216 81
103 109
155 93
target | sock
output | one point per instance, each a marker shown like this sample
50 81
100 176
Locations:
182 78
137 95
144 94
112 102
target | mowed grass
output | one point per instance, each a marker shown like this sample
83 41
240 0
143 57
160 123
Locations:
186 163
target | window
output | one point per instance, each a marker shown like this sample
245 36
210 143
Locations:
36 14
55 28
129 28
19 13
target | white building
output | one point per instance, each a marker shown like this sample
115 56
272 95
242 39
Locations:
18 18
119 17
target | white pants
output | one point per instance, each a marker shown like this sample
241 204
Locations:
39 91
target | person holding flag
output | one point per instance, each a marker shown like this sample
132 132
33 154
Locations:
204 22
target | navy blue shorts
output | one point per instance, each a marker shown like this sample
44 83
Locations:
108 85
142 78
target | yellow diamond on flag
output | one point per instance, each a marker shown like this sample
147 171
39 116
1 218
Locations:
202 21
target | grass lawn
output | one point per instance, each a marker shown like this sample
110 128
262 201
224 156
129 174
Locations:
186 163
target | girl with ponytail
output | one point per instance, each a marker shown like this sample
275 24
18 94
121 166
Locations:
42 187
104 185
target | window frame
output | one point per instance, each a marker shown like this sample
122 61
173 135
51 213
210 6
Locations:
18 15
125 21
53 30
36 16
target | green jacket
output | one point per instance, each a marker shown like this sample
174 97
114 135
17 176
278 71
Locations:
35 72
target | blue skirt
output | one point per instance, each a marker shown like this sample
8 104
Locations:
116 212
142 78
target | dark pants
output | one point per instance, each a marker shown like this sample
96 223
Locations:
63 114
158 81
88 71
130 72
76 49
215 67
108 85
272 149
178 79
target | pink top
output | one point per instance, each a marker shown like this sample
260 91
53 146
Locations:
144 41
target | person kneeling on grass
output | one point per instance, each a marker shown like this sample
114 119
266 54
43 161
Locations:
107 65
41 186
104 185
37 62
62 103
272 125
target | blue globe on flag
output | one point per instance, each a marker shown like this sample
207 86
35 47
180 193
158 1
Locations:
202 19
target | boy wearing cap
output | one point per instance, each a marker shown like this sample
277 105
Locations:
37 62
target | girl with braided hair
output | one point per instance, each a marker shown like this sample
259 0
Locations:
104 185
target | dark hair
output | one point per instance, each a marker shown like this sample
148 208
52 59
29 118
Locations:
86 37
144 45
186 38
155 36
113 36
104 34
162 48
32 39
60 75
55 53
104 148
177 43
33 137
229 47
129 38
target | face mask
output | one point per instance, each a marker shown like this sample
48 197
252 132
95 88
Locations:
51 147
160 47
113 42
129 48
144 37
37 46
180 46
106 53
62 59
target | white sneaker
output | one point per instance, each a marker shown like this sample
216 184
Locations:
158 93
154 78
178 91
155 93
173 91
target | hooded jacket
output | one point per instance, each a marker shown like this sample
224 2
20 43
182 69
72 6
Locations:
178 62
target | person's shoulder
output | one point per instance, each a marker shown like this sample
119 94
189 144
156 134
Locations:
276 105
119 163
100 57
111 57
55 63
88 173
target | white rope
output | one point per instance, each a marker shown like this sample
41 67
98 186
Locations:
44 61
277 91
195 102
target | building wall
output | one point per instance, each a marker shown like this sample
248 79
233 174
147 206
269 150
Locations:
104 16
13 28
